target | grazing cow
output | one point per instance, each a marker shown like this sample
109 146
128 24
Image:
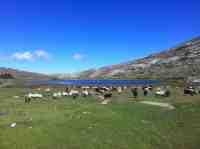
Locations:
99 90
107 95
85 87
163 93
91 93
27 99
47 90
32 96
113 89
134 92
119 90
150 87
67 89
145 90
124 88
57 95
85 93
189 91
65 93
74 93
167 93
105 88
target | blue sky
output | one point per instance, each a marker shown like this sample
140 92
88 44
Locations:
60 36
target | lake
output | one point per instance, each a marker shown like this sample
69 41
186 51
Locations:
96 82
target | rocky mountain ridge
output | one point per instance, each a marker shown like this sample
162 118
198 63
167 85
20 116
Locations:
180 62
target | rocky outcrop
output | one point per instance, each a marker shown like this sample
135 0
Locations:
180 62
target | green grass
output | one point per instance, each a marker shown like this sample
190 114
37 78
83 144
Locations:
86 124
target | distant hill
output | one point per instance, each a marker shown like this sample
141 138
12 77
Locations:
180 62
13 77
23 75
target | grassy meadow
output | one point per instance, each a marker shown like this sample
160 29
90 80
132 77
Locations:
84 123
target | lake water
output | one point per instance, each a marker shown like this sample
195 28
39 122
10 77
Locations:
96 82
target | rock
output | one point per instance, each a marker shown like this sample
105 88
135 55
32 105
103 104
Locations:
16 97
145 121
3 113
105 102
85 112
13 125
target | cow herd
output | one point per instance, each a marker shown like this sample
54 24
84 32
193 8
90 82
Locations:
74 92
100 92
84 91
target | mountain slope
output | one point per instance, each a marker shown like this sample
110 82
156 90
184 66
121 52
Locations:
23 75
180 62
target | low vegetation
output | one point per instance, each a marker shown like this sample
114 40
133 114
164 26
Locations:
85 123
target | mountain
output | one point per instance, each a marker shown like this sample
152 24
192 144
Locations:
179 62
23 75
12 77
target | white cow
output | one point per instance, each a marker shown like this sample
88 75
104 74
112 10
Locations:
74 93
31 95
85 93
65 94
85 87
56 95
160 93
119 90
106 88
47 90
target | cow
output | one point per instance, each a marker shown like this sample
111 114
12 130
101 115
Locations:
107 95
57 95
30 96
189 91
74 93
85 93
163 93
134 92
119 90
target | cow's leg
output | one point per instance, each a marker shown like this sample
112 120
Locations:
25 99
29 100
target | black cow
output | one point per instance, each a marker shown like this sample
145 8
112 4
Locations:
189 91
27 99
134 92
107 95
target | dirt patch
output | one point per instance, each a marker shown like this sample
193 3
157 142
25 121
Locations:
3 113
160 104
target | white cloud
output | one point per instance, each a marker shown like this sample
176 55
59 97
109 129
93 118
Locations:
78 56
23 56
30 55
42 54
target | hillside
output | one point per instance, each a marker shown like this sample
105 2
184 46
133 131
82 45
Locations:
23 75
180 62
18 77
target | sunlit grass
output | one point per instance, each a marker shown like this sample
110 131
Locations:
86 124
